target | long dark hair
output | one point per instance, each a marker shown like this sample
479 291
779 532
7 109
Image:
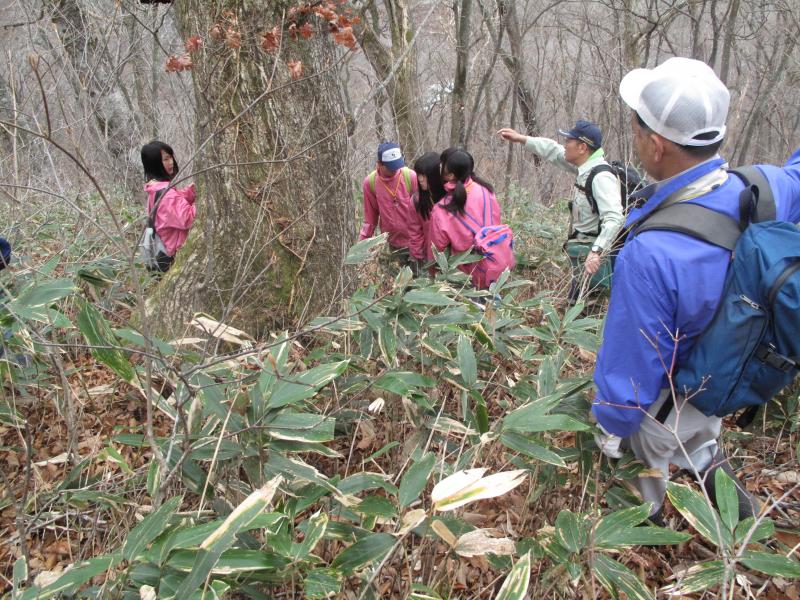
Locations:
461 165
428 165
152 163
446 154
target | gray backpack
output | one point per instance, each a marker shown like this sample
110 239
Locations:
152 250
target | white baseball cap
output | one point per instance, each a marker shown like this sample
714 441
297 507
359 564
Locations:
680 99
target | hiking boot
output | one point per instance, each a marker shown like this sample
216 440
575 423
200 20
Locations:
657 519
749 506
574 292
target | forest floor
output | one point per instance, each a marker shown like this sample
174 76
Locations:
56 510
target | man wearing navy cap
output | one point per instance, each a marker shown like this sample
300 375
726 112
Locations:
593 229
388 203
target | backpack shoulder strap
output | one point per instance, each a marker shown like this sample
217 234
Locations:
465 224
473 219
151 218
586 188
697 221
491 221
757 196
407 177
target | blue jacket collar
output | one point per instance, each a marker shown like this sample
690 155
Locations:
657 192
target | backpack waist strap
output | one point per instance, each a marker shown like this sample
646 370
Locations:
775 359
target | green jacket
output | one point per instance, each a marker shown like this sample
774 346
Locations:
605 188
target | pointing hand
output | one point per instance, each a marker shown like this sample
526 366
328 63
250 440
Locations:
512 135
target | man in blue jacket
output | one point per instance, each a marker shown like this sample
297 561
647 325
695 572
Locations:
667 285
5 253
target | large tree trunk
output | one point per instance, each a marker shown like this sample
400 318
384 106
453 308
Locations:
275 205
96 82
727 45
402 87
514 61
459 96
474 114
145 73
770 79
7 112
631 37
516 65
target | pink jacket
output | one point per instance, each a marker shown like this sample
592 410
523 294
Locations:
447 230
425 224
393 205
175 213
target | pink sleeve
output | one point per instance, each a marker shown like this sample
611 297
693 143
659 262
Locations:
416 235
438 234
190 193
175 211
370 212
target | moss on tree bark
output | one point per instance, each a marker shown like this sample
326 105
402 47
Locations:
275 212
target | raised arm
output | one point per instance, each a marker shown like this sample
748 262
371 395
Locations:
176 210
549 150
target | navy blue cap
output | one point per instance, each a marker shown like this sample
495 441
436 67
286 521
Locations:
586 132
390 156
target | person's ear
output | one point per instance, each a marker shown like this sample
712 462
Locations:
658 144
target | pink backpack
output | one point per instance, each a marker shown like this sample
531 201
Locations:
494 242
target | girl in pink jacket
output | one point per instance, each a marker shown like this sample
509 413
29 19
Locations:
469 199
430 189
176 208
